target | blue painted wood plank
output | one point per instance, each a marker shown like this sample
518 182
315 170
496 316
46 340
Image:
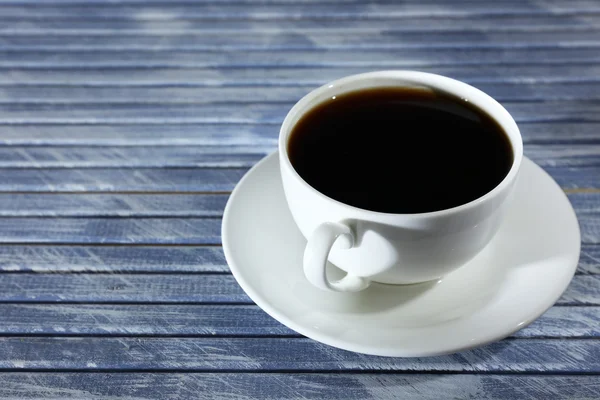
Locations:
583 290
306 40
284 354
585 202
181 289
109 27
151 259
222 320
309 386
589 259
186 134
575 177
586 155
179 320
490 23
185 156
375 59
190 179
176 230
121 3
295 11
122 180
285 77
165 205
129 288
559 155
246 113
136 259
233 134
127 96
197 231
589 224
116 205
181 3
565 322
190 3
560 133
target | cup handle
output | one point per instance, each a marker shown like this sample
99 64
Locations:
316 254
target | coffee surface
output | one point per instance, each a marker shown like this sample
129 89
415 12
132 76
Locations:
400 150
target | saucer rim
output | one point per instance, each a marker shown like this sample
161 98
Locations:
343 344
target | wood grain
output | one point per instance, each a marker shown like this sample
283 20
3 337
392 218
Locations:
221 320
244 113
190 179
284 354
168 156
125 180
309 386
28 25
269 59
287 77
71 95
197 231
124 125
305 41
166 205
295 11
138 259
181 289
585 155
154 259
116 205
589 259
173 288
149 259
172 230
565 133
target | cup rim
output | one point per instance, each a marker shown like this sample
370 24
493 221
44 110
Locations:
435 81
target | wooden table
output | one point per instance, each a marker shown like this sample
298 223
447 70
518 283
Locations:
126 124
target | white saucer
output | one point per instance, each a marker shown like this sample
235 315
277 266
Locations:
521 273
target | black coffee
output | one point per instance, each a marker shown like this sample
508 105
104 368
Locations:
400 150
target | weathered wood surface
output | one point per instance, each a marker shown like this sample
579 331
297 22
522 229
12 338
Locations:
576 356
162 259
189 180
192 320
138 259
89 25
128 95
575 155
304 41
128 180
181 289
197 231
175 230
404 10
243 113
314 386
154 259
566 133
167 205
406 58
286 77
124 126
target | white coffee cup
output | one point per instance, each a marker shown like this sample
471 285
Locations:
384 247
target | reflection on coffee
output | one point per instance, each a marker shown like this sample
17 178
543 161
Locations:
400 150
